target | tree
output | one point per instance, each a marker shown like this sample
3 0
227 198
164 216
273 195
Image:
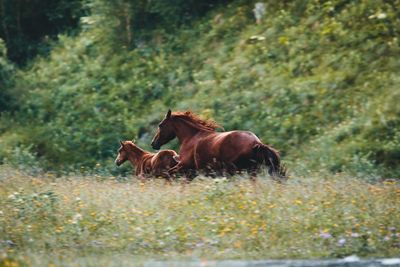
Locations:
27 25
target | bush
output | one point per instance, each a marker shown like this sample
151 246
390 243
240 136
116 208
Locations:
315 80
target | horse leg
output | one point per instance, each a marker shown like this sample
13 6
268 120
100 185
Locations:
190 174
253 174
142 179
252 170
230 169
175 169
167 177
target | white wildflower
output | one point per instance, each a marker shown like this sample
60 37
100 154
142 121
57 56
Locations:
77 217
355 235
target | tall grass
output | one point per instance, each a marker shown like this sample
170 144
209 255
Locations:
84 220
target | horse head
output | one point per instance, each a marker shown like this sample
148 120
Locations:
165 132
122 154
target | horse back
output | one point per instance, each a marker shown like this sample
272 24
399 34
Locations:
226 146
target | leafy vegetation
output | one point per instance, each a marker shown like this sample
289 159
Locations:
6 72
60 221
28 27
316 79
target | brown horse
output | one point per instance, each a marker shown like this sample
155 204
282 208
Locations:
147 164
202 148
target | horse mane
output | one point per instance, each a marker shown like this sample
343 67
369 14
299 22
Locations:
129 143
132 146
208 125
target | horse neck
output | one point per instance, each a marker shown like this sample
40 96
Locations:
185 130
136 155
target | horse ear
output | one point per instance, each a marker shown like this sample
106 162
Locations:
168 114
134 141
122 144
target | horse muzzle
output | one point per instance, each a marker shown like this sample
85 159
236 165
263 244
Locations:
117 162
155 145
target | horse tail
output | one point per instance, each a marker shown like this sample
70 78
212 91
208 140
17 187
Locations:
271 158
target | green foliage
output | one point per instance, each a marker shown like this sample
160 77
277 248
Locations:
6 72
28 26
316 79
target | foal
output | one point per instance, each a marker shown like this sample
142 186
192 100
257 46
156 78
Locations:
147 164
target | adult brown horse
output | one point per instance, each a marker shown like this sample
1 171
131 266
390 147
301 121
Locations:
202 148
147 164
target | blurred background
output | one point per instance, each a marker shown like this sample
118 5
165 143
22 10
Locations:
318 80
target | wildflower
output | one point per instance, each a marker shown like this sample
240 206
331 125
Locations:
354 235
298 202
341 242
77 217
200 244
283 40
325 235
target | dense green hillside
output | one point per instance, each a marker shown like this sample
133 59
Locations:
316 79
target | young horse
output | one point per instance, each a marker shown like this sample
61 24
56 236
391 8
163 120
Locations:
147 164
202 148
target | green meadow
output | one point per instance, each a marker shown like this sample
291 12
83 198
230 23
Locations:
97 220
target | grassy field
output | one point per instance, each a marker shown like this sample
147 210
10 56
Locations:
96 220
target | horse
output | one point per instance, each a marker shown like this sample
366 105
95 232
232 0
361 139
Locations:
202 148
147 164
